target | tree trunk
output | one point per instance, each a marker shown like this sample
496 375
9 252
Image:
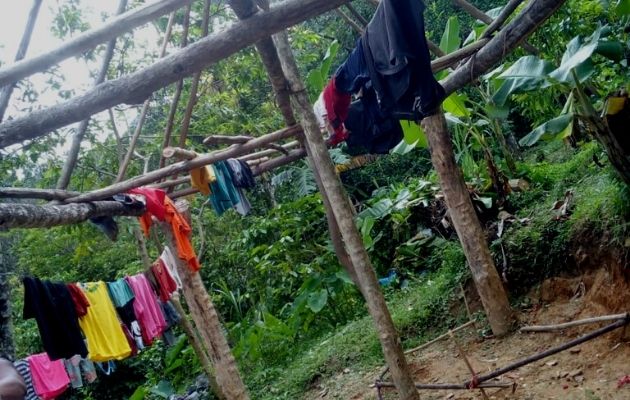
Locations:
208 324
331 187
5 94
77 138
88 40
138 86
467 226
14 215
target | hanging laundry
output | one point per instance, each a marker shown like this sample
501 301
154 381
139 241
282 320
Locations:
105 338
52 307
81 302
79 368
154 206
21 366
120 292
123 298
107 224
224 194
181 231
49 377
172 318
166 284
170 263
201 178
147 308
391 58
241 173
107 368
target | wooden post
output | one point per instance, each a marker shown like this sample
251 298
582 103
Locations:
330 186
7 264
208 323
467 226
197 346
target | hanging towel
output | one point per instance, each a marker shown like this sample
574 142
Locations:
147 308
49 377
52 307
170 262
201 178
21 366
105 338
181 231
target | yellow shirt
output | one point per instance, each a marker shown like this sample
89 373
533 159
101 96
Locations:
105 338
200 179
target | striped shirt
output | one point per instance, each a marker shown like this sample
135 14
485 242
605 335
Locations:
23 369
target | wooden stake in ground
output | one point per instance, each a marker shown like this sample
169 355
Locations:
5 94
331 187
467 226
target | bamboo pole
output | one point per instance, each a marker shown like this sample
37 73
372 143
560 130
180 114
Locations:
331 187
89 39
73 154
559 327
5 94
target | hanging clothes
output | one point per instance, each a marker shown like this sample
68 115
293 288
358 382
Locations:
165 282
49 377
79 368
52 307
392 58
181 232
81 302
22 367
105 338
154 206
241 173
123 298
172 318
120 292
147 308
170 263
107 368
107 224
224 194
201 178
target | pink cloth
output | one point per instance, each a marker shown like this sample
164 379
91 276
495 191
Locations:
50 378
147 308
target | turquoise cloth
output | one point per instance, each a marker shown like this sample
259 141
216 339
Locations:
224 194
120 292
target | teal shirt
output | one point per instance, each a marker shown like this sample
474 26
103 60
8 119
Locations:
224 194
120 292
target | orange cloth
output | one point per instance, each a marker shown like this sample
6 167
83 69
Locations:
181 232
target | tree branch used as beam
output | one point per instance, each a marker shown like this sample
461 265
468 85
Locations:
450 59
214 140
43 194
508 38
184 166
88 40
140 85
13 215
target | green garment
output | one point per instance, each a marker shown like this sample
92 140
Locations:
224 194
120 292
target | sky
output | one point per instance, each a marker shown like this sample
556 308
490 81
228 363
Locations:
76 72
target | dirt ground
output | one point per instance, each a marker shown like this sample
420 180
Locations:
590 371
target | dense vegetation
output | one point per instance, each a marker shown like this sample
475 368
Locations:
291 313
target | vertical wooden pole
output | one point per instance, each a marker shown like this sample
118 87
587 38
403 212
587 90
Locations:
208 323
471 235
331 187
197 347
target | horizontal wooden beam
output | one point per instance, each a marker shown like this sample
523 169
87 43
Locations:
29 193
137 87
185 166
179 153
89 39
504 42
214 140
274 163
269 152
451 59
18 215
172 183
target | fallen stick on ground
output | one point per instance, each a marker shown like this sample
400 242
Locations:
558 327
